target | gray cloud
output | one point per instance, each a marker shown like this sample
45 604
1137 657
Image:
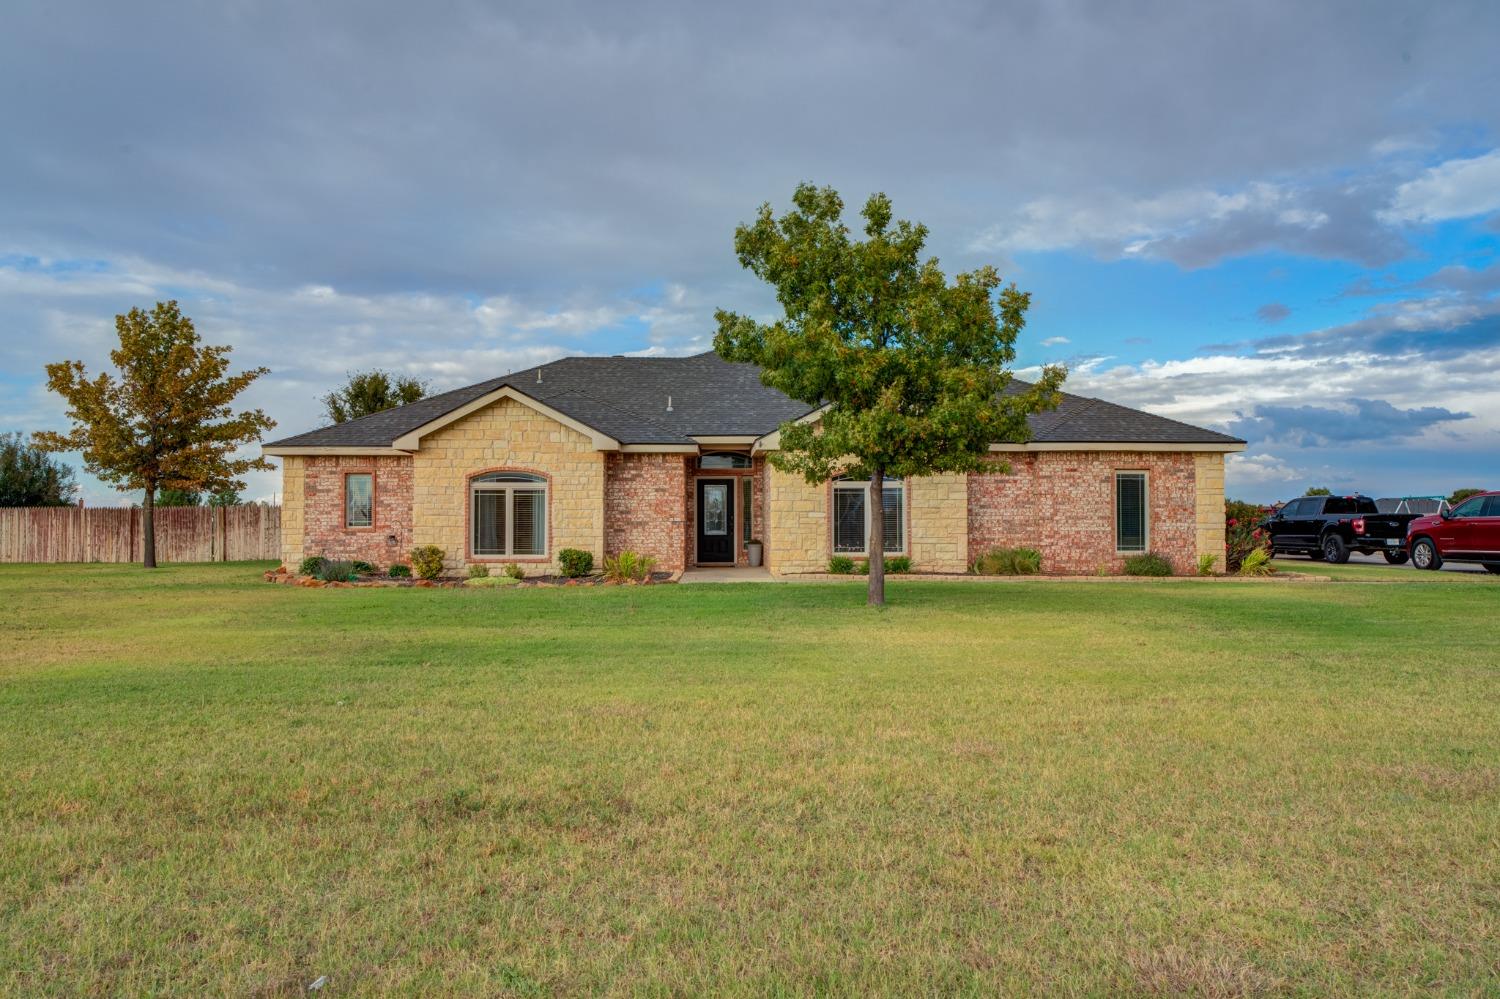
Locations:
1272 312
1358 421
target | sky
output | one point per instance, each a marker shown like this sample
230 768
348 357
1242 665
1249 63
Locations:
1279 219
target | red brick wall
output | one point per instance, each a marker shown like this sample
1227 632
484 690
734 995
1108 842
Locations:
644 506
1063 502
389 540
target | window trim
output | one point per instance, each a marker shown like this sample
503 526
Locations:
735 456
852 484
1145 477
747 508
344 499
542 481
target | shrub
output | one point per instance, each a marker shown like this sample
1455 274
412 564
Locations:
1009 562
478 571
1206 564
841 565
335 572
862 567
399 570
311 565
628 567
1257 563
514 571
575 562
1149 564
427 561
491 581
1242 533
363 567
898 565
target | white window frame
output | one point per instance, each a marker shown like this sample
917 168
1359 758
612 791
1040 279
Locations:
522 482
1145 478
369 524
864 484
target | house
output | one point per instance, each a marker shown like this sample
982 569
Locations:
667 457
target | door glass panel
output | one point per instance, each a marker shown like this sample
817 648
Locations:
715 508
530 523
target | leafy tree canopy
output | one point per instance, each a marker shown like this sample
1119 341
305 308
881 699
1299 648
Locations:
179 497
369 392
164 419
228 496
1459 495
30 476
912 368
1318 491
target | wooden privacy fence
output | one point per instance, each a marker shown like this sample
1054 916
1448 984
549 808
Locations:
114 534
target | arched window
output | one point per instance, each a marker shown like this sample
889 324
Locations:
508 514
723 459
851 515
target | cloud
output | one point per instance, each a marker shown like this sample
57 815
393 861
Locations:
1055 341
1355 421
1272 312
1452 190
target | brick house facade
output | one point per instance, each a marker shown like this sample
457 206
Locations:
518 469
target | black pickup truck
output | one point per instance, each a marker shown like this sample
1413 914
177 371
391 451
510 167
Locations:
1330 527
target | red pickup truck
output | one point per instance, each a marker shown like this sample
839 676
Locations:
1470 532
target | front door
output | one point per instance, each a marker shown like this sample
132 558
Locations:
716 521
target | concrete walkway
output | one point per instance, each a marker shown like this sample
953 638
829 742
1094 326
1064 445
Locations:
728 574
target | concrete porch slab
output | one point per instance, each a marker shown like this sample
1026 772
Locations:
728 574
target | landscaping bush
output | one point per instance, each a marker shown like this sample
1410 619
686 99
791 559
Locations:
311 565
514 571
1149 564
898 565
575 562
427 561
399 570
1206 564
478 571
363 568
1241 533
628 567
1257 562
841 565
1009 562
335 572
480 581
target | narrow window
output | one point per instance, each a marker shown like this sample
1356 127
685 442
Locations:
724 459
851 519
747 508
508 515
359 499
1130 511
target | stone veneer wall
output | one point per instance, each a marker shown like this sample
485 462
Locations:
937 517
645 506
1063 502
312 515
1208 473
797 526
512 436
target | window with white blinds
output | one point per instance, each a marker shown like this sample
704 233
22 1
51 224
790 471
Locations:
851 521
1130 512
508 514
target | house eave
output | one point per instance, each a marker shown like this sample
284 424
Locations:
1221 447
294 451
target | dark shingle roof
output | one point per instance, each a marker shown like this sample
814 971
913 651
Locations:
626 398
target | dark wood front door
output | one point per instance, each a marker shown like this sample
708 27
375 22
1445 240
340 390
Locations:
716 521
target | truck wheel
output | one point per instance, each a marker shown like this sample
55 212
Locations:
1396 558
1424 554
1335 552
1493 567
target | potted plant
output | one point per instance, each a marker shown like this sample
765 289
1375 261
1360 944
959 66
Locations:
753 549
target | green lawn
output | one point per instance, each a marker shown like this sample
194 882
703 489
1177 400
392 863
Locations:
214 785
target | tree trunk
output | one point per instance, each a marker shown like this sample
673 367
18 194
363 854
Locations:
148 529
875 545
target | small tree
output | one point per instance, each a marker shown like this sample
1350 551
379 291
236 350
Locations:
179 497
1459 495
369 392
227 496
30 476
1318 491
166 422
910 369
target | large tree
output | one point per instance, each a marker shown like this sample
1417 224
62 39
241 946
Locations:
30 476
369 392
910 368
165 420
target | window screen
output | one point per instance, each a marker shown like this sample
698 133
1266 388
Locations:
848 520
1130 511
